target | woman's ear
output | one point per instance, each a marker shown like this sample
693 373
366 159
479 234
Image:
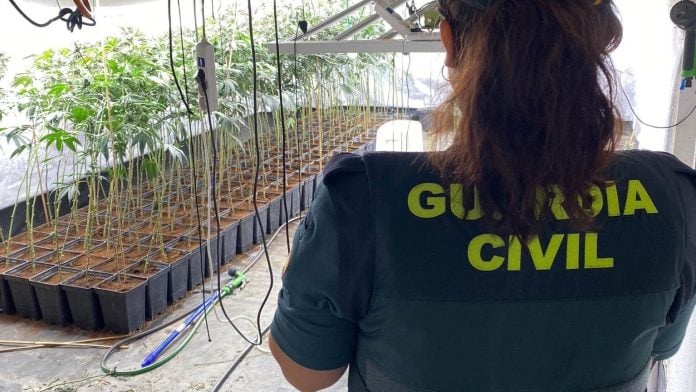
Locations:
448 39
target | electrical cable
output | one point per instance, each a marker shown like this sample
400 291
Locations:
194 173
297 136
37 24
189 113
237 362
258 167
247 350
214 146
195 19
678 123
408 86
201 78
216 210
203 18
408 99
184 99
72 18
282 121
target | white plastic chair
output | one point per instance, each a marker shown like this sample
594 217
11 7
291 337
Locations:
400 135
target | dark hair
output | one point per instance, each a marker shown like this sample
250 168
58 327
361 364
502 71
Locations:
531 105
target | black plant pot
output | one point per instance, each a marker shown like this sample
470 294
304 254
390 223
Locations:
229 241
23 294
294 201
360 150
210 259
157 275
307 193
53 301
274 210
6 302
285 209
123 308
245 234
317 182
84 305
195 267
370 146
260 229
177 276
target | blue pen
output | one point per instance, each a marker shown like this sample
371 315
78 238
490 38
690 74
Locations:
150 359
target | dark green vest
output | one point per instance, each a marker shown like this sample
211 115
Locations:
457 307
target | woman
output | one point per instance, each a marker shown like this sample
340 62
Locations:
528 256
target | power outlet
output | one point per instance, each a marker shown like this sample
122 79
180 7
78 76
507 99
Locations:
205 60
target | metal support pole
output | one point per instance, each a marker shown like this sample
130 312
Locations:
387 13
392 33
365 23
357 28
334 19
359 46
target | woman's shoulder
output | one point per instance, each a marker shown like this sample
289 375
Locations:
658 164
661 170
646 158
346 166
342 165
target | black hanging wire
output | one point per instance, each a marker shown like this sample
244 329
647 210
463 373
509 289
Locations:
297 123
213 181
678 123
221 43
282 124
183 97
203 18
195 19
256 175
201 78
189 113
239 359
216 210
407 107
72 18
302 26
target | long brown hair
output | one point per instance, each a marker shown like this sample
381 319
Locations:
531 105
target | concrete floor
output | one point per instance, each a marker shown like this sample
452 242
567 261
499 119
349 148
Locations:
198 368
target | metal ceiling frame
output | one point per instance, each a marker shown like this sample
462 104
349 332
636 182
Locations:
400 39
